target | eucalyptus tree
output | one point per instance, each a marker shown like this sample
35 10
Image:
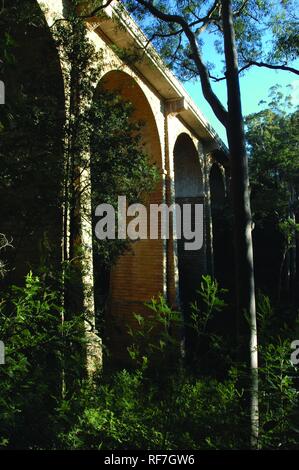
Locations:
246 33
272 137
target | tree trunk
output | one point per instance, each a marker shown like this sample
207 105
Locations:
245 289
233 122
280 273
293 250
79 287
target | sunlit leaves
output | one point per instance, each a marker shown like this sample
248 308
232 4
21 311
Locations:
272 136
266 31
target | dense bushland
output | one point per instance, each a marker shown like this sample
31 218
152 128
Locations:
159 401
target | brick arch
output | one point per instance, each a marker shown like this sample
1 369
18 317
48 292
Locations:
217 184
188 175
221 236
130 90
139 274
26 202
189 189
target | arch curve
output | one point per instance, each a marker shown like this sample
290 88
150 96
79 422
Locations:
221 238
187 169
127 87
189 189
138 274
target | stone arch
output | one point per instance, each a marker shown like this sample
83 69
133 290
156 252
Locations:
189 189
128 88
30 205
220 234
139 274
188 176
217 185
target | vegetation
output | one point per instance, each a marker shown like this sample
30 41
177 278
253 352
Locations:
133 408
273 149
237 30
57 115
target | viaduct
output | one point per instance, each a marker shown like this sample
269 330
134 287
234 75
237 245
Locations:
191 159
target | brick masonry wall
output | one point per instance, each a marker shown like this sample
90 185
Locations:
151 267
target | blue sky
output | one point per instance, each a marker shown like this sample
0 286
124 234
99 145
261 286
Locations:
255 85
255 82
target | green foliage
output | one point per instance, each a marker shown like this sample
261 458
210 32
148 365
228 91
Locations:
99 123
160 404
119 163
265 32
278 396
118 416
160 331
31 137
209 293
156 338
38 345
274 176
278 391
273 149
288 227
131 412
54 116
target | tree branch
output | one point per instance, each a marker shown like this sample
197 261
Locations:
217 79
4 243
238 12
212 99
251 63
209 13
270 66
207 19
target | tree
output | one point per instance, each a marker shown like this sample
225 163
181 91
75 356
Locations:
234 22
186 25
238 27
274 174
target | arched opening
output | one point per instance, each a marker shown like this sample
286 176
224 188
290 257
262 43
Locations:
138 274
124 85
221 220
31 182
188 180
31 144
217 186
